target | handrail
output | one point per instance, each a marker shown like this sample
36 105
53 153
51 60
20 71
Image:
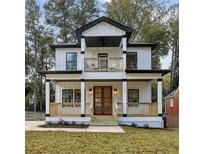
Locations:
105 64
109 58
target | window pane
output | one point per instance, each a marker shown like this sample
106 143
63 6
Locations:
131 61
71 56
77 95
67 95
133 95
71 66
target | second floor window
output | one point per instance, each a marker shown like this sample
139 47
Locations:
131 60
71 61
102 62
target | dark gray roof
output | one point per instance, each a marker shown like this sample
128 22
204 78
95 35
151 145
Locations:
142 44
77 45
172 93
164 71
64 45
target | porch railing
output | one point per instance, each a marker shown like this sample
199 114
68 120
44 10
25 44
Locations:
68 109
103 65
149 108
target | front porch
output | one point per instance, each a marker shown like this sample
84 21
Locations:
81 104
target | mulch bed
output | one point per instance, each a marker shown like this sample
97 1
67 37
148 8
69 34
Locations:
64 126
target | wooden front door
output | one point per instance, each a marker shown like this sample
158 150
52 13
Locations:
102 100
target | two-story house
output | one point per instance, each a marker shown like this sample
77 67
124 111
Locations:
104 74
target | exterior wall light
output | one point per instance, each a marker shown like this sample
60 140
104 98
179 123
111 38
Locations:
115 91
90 91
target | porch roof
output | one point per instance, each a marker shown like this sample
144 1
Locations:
163 72
94 42
59 72
142 44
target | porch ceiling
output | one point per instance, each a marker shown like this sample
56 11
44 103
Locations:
103 41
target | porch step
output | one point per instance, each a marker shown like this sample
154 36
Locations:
103 120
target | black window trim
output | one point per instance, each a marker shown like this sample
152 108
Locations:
136 60
99 61
75 95
72 61
67 98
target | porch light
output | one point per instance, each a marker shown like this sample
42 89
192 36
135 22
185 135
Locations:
115 91
90 91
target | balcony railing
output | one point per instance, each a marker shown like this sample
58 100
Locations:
103 65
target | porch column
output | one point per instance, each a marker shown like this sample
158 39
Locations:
159 96
82 53
82 92
124 98
57 94
47 97
124 51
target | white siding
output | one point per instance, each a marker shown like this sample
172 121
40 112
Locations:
143 60
145 93
103 29
144 56
60 57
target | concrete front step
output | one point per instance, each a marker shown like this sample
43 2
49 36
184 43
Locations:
103 120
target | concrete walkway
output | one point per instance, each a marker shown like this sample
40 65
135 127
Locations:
33 125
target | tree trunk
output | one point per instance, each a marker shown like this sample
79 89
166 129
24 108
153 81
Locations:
35 76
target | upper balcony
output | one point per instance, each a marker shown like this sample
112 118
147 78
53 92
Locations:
103 64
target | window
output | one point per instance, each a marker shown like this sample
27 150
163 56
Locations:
131 60
171 102
67 95
103 62
133 95
77 95
71 61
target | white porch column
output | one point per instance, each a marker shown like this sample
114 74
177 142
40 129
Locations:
57 94
124 51
159 96
47 97
82 105
82 55
124 98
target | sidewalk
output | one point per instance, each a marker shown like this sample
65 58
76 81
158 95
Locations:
33 126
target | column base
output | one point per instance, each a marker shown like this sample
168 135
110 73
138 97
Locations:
47 115
160 115
124 115
82 115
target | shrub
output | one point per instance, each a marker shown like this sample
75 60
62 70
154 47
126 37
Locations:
61 122
146 125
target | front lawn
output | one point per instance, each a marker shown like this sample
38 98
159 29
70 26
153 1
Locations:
135 140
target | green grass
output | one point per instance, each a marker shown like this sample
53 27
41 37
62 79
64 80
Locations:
135 140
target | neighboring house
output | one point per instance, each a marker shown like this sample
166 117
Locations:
172 109
104 74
